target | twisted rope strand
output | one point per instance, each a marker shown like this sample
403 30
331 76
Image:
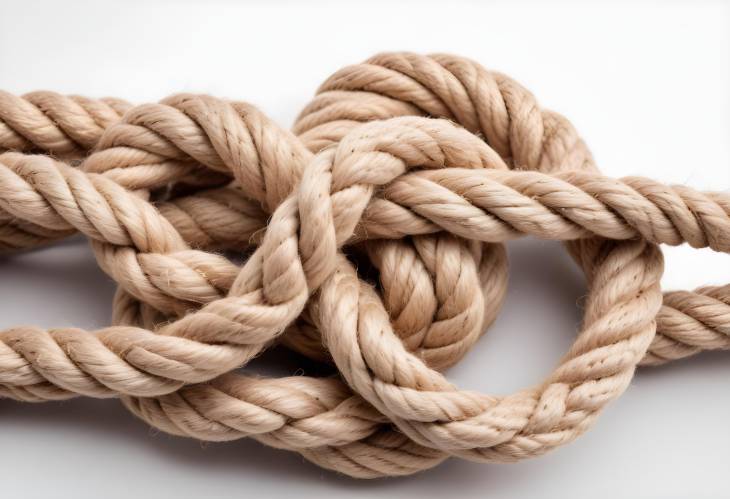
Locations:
67 126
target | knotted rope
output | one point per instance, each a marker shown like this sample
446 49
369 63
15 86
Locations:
414 168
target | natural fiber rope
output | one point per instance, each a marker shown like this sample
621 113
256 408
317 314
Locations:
417 166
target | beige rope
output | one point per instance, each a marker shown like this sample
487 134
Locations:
411 169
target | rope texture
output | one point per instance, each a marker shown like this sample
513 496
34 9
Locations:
372 239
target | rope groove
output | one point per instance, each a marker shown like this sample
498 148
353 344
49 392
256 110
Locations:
373 240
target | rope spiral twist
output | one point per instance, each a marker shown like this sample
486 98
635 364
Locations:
373 235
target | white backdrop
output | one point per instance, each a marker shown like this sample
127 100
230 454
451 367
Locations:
647 84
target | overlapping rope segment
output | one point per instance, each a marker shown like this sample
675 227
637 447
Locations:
417 167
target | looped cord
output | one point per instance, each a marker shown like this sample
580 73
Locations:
372 239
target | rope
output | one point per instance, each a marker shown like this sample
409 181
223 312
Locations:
372 237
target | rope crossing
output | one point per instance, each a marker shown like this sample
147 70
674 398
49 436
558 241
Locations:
417 167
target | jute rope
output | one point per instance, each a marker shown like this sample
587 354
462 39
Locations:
372 239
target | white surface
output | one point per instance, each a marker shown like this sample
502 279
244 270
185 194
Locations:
647 84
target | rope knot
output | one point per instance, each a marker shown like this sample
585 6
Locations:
372 239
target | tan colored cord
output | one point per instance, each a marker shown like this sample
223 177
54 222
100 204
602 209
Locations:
412 170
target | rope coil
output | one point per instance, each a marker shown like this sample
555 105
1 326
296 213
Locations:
422 166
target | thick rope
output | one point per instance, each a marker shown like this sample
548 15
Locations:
372 240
